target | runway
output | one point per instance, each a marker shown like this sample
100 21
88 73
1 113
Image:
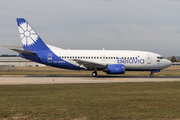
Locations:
81 79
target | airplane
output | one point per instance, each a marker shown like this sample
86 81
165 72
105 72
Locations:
108 61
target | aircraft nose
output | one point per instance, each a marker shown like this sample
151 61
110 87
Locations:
168 63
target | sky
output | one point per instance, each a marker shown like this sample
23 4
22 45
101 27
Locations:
146 25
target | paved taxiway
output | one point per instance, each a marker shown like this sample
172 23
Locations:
81 79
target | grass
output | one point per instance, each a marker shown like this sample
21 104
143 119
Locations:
171 71
158 100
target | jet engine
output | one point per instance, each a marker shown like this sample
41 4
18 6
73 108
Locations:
115 69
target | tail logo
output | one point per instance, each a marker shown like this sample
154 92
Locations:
27 34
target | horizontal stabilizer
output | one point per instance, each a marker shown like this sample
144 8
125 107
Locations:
23 52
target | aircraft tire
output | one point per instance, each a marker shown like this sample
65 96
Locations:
151 75
94 74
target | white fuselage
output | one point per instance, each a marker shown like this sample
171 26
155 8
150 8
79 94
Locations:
132 60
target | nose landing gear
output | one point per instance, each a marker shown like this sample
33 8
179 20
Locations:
153 71
151 75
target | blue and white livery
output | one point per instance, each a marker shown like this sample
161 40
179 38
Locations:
109 61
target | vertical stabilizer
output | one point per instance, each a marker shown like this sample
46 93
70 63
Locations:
29 38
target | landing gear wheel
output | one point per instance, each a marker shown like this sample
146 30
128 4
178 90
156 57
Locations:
151 75
94 74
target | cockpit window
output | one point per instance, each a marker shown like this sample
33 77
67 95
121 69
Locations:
160 57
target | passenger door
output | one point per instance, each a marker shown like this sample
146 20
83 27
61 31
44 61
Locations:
49 57
149 59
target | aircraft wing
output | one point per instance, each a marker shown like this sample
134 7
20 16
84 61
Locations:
90 65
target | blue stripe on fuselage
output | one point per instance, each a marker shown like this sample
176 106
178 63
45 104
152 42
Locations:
47 57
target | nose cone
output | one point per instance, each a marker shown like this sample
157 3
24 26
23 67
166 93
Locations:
168 63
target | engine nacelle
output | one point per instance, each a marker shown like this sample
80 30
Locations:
115 69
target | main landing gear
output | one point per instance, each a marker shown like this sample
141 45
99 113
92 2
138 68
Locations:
94 74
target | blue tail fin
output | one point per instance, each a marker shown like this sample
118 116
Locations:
30 39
